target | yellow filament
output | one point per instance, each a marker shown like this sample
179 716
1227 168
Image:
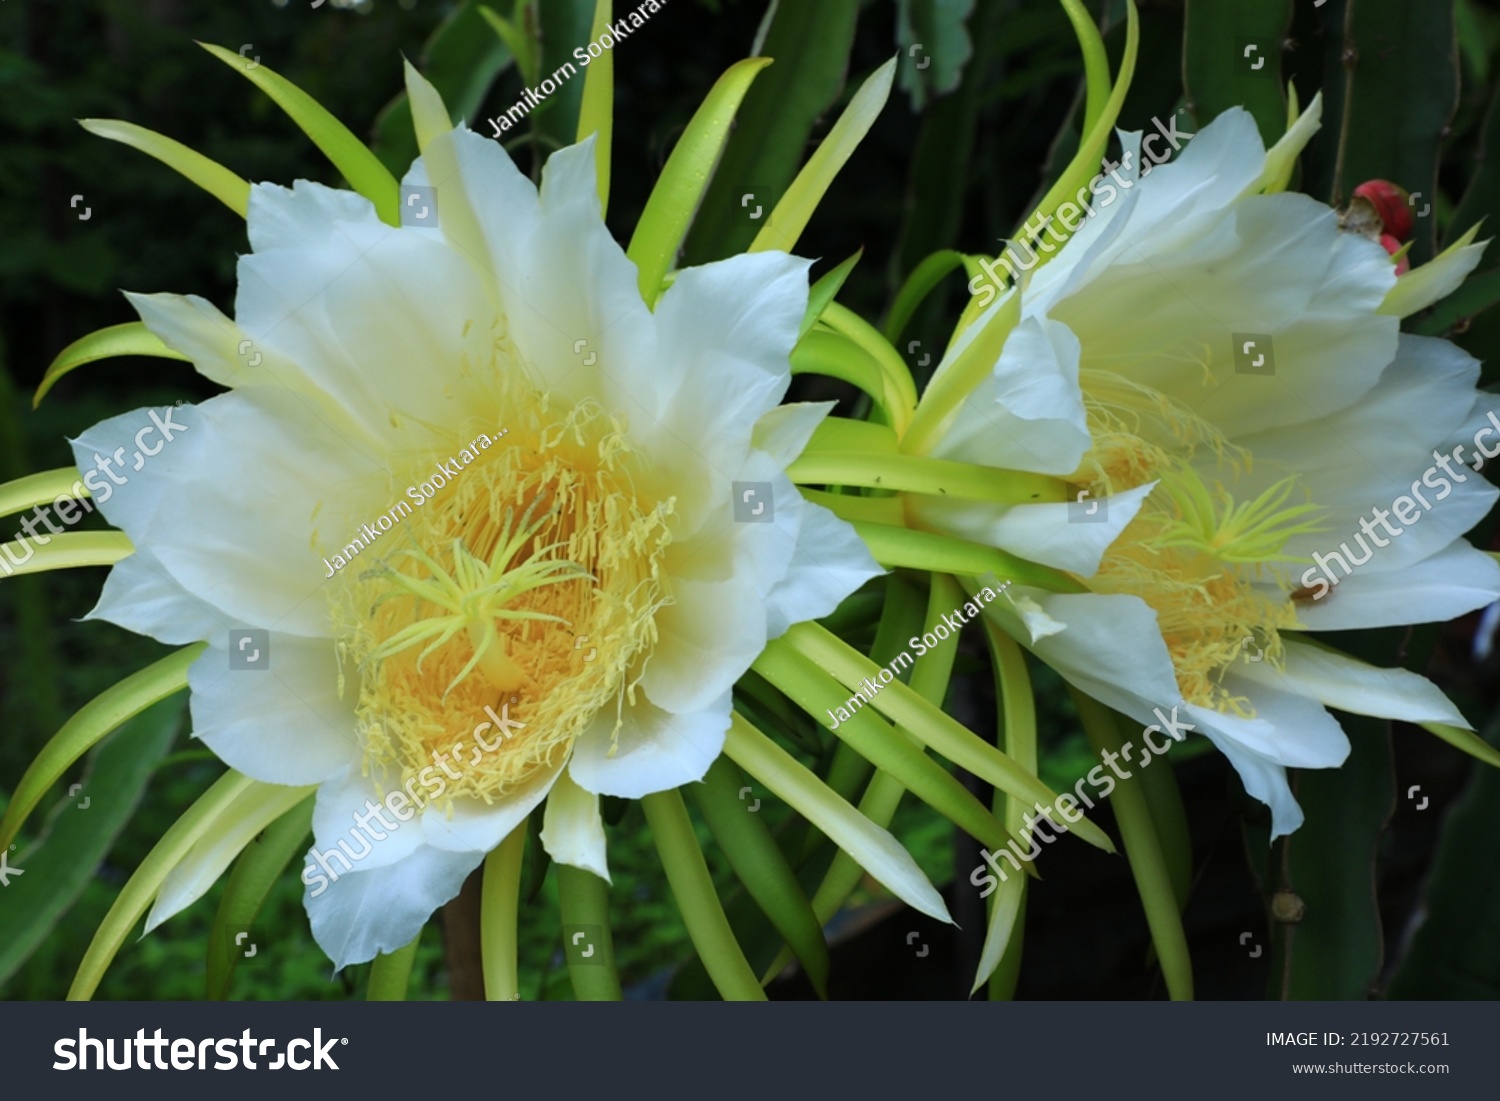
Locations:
485 592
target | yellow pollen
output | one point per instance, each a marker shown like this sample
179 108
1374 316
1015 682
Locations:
527 586
1214 569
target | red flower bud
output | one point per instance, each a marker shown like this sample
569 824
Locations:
1394 246
1393 205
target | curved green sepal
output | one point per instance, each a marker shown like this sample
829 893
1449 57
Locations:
429 114
249 884
1281 158
520 45
959 377
942 478
72 843
218 846
886 511
937 730
1095 61
872 847
583 899
824 291
847 323
762 867
693 888
919 284
898 754
390 974
141 888
499 905
596 114
1085 165
900 547
790 218
348 154
679 191
129 339
41 489
1466 740
929 679
824 352
1148 865
1435 280
1169 819
1000 958
68 551
104 713
230 189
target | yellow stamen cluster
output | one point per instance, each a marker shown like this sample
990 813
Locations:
1214 569
529 585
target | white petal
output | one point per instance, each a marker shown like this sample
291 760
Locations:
1214 168
1027 415
1281 158
226 837
1112 648
304 215
727 330
226 354
362 914
572 282
1047 534
738 583
706 640
1288 728
1165 213
1340 681
657 750
547 266
731 326
1381 449
487 208
141 596
101 455
1266 781
830 562
353 827
1436 279
718 544
474 824
1274 265
354 313
1260 749
573 828
784 431
1451 583
281 724
229 506
1101 236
